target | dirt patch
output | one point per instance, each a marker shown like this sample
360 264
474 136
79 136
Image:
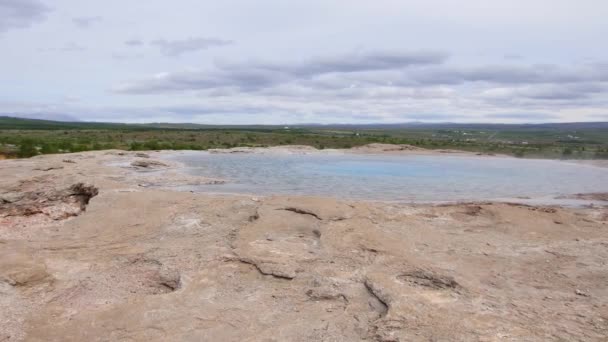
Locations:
473 210
22 270
594 196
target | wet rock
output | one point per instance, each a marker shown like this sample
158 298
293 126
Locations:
148 164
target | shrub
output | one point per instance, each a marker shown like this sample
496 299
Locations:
27 149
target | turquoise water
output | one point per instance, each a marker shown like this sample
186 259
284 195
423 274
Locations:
393 178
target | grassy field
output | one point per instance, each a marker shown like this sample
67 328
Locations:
26 138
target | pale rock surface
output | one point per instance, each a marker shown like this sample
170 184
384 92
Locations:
145 263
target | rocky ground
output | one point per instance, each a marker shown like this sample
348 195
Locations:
92 250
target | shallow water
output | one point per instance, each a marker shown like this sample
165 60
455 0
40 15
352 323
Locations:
418 178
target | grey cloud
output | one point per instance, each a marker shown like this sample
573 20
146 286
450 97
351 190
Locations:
602 116
528 117
420 69
187 111
509 74
21 13
73 47
196 80
354 62
389 82
258 75
571 91
126 57
561 92
68 47
349 63
174 48
134 42
434 116
86 22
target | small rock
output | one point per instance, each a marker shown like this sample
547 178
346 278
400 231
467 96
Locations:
581 293
48 168
147 164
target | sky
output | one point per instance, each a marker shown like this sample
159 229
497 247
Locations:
313 61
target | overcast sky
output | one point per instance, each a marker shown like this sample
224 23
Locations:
278 61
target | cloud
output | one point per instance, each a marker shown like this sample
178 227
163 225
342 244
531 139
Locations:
389 86
68 47
547 91
175 48
86 22
381 69
526 117
435 117
513 56
73 47
600 116
21 13
134 42
508 74
126 57
343 63
257 75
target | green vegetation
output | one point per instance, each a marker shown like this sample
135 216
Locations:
25 138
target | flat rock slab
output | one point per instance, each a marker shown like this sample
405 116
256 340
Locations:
151 264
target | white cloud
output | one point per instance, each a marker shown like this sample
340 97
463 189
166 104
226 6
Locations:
86 22
316 60
175 48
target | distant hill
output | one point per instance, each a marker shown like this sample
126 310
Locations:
7 122
450 125
21 123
